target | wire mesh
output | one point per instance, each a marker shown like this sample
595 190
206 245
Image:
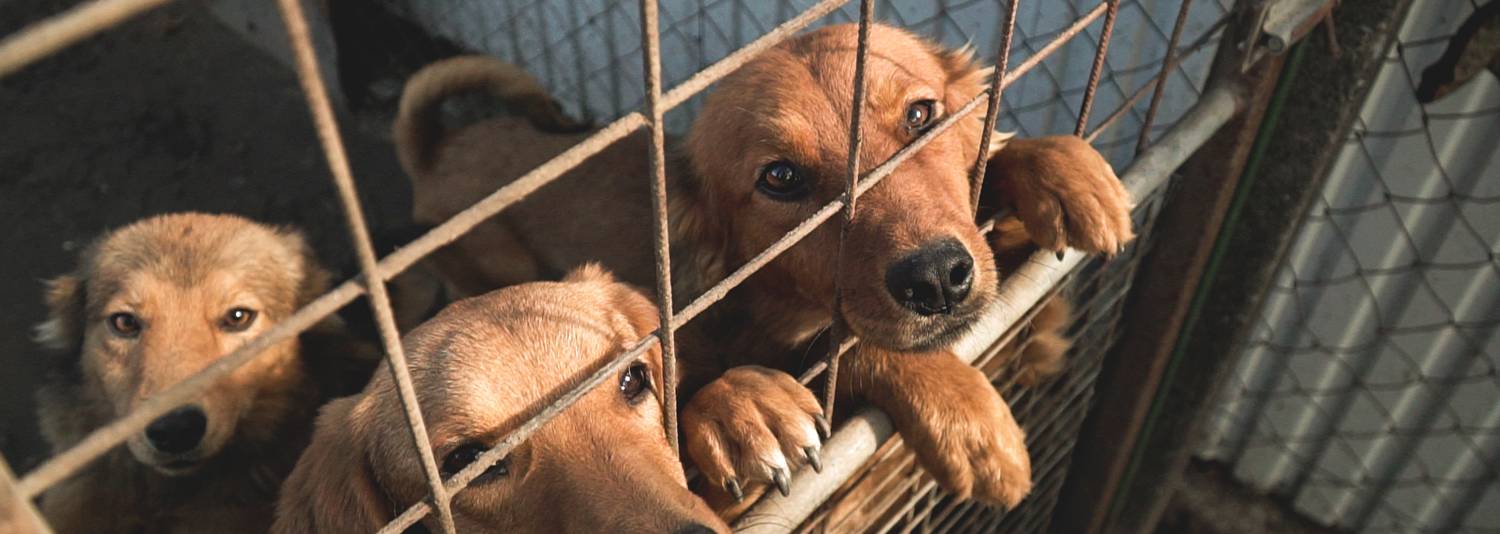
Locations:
1051 436
1368 396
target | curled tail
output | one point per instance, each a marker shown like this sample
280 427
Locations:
417 128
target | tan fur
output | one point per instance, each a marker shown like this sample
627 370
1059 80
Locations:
792 102
481 368
179 273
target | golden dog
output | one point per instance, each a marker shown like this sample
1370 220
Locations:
767 150
149 305
481 368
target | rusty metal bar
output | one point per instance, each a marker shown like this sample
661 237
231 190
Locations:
54 33
859 437
1056 43
1175 59
1161 79
992 108
498 452
651 55
838 330
1097 70
17 513
411 515
343 179
102 439
793 236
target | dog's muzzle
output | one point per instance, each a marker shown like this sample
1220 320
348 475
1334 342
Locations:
178 432
933 280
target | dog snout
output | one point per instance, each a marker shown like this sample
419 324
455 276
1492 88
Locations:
935 279
695 528
179 431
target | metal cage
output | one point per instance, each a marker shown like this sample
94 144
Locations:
864 460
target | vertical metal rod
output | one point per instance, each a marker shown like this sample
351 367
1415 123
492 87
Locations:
651 53
343 178
1097 70
992 108
837 330
1167 63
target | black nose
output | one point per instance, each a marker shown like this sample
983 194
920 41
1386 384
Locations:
932 280
694 529
178 431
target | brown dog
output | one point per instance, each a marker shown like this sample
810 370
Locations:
481 368
767 150
149 305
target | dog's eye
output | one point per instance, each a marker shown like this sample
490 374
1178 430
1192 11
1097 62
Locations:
124 324
781 180
919 115
237 319
466 454
634 382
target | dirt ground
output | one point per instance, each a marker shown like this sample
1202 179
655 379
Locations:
170 112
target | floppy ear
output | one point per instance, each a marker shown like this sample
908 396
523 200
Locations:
333 488
63 329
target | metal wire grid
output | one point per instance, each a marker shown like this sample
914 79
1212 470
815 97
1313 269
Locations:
1369 395
49 36
587 54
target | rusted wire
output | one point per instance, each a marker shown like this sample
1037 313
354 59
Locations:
992 108
795 235
1161 79
1062 38
651 55
102 439
338 164
54 33
1097 70
462 478
1175 60
117 431
839 329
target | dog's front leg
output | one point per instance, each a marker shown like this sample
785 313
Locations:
951 416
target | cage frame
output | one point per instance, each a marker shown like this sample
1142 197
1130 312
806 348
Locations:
1021 292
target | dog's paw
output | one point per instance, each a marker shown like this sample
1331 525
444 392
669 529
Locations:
965 436
753 426
1065 193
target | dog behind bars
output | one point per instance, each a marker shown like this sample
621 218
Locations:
149 305
767 150
481 368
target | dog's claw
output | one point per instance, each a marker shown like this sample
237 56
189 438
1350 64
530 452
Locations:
825 429
782 483
732 485
813 459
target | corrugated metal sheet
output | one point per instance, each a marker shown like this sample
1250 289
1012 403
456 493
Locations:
1369 394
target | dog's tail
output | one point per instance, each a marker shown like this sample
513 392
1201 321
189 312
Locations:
418 128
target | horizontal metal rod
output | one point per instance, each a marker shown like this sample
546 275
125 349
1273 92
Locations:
856 440
461 479
54 33
101 440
